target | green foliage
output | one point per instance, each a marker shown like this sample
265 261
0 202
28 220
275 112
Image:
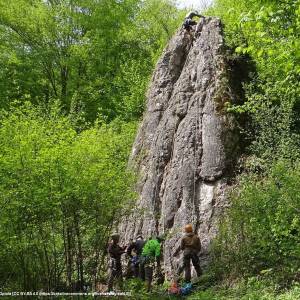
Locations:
261 231
60 192
94 56
254 288
267 31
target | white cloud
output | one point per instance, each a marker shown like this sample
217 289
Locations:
199 4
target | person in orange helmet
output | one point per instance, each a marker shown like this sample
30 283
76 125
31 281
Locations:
191 246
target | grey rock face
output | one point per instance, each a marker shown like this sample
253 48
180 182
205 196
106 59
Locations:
186 144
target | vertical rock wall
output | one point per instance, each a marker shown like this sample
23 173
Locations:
186 144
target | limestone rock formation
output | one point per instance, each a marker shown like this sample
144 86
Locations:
186 144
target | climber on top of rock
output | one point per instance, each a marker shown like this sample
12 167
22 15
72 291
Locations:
191 246
188 20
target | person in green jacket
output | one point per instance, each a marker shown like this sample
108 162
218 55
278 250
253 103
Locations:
150 255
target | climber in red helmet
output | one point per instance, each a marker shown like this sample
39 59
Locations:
191 246
188 20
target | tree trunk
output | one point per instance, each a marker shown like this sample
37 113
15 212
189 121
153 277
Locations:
79 255
64 83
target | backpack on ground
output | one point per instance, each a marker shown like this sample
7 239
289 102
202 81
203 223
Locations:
174 289
186 289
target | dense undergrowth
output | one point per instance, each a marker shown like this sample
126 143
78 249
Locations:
252 289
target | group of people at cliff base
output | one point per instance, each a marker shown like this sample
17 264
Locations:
145 256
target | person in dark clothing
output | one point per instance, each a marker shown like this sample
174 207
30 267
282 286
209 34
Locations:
188 20
136 247
129 268
115 252
191 246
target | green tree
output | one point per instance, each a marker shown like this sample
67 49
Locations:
268 32
93 56
60 193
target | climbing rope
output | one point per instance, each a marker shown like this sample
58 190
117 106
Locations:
196 140
196 143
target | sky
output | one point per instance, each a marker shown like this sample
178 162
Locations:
199 4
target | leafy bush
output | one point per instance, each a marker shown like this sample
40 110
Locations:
267 31
261 231
254 288
60 192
